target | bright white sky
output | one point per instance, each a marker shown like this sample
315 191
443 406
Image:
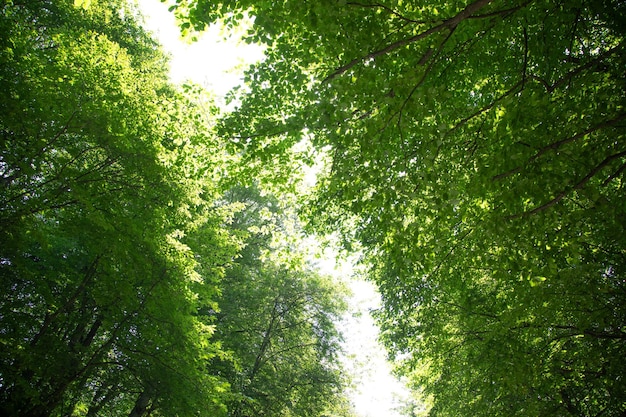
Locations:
217 65
212 62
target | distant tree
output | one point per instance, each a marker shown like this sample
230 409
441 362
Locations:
278 324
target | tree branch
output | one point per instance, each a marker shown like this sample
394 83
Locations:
488 107
424 75
578 186
555 145
504 12
571 74
614 175
389 9
449 24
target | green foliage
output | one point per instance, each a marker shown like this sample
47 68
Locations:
107 204
137 275
477 152
278 323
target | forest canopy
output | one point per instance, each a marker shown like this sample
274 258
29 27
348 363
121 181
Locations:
474 152
132 280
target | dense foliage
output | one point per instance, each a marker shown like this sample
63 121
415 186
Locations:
118 245
476 150
284 342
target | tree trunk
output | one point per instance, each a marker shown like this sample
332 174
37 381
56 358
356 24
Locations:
141 405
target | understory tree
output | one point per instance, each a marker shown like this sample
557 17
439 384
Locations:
476 151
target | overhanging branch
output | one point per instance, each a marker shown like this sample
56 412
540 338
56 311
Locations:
579 185
449 24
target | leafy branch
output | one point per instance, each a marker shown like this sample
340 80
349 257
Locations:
449 24
556 145
577 186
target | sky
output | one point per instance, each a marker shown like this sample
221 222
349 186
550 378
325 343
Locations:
217 65
212 61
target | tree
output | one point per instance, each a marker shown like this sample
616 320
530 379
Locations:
106 206
476 151
277 321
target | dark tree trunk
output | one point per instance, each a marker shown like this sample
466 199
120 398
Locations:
141 405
